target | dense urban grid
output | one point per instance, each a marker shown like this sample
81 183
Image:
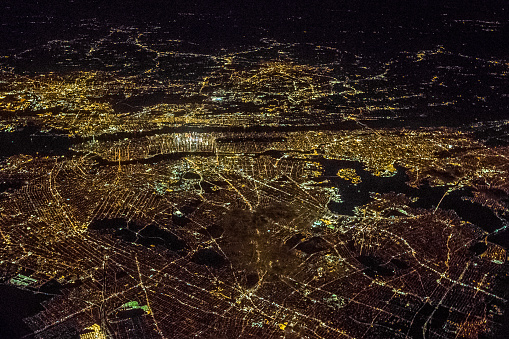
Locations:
151 191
